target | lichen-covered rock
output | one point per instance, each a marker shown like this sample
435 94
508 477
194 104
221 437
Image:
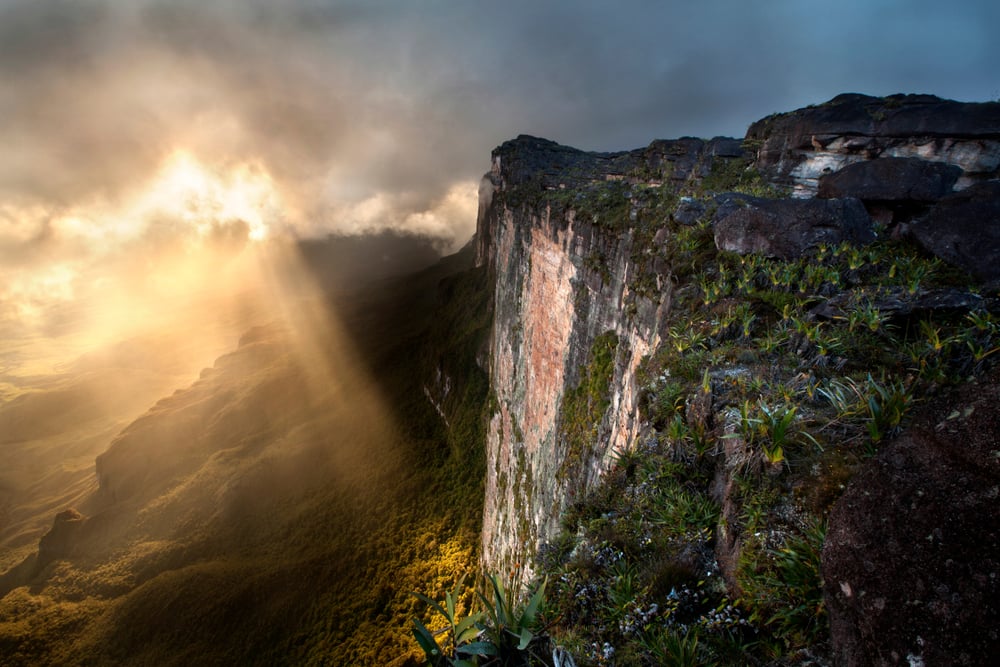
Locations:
891 179
964 230
786 228
912 556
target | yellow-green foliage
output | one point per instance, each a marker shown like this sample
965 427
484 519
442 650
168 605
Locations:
304 574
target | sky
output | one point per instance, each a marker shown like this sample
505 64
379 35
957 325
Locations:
137 134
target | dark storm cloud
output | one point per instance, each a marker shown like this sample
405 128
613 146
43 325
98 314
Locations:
345 100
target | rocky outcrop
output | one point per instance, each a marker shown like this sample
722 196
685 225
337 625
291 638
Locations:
787 228
899 303
61 539
964 230
797 148
912 556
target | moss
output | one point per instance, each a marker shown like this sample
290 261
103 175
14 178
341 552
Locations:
596 261
737 175
584 405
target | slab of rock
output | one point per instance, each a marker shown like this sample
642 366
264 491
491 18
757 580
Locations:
689 210
911 563
964 230
898 302
786 228
891 179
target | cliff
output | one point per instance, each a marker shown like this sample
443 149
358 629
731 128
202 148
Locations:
568 275
686 285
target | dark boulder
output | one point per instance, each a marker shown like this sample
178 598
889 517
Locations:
892 116
900 303
726 147
689 210
964 230
911 563
891 179
786 228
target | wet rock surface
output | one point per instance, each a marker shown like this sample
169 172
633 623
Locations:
912 555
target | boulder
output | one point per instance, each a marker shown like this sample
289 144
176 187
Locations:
963 229
891 179
689 210
786 228
911 563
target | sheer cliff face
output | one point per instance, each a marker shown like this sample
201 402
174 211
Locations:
554 299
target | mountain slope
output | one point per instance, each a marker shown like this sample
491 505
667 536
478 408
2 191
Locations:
279 509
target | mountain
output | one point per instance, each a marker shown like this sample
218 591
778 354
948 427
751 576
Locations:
278 509
707 354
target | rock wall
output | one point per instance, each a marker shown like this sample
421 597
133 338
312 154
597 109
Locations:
552 302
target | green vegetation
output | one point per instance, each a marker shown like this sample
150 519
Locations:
632 576
783 587
504 632
737 175
584 406
780 376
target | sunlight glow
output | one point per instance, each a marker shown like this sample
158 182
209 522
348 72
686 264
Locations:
185 248
188 190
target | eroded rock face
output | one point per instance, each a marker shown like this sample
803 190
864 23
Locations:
964 230
798 148
61 538
550 306
912 556
786 228
891 179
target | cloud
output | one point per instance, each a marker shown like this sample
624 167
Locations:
378 114
390 95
